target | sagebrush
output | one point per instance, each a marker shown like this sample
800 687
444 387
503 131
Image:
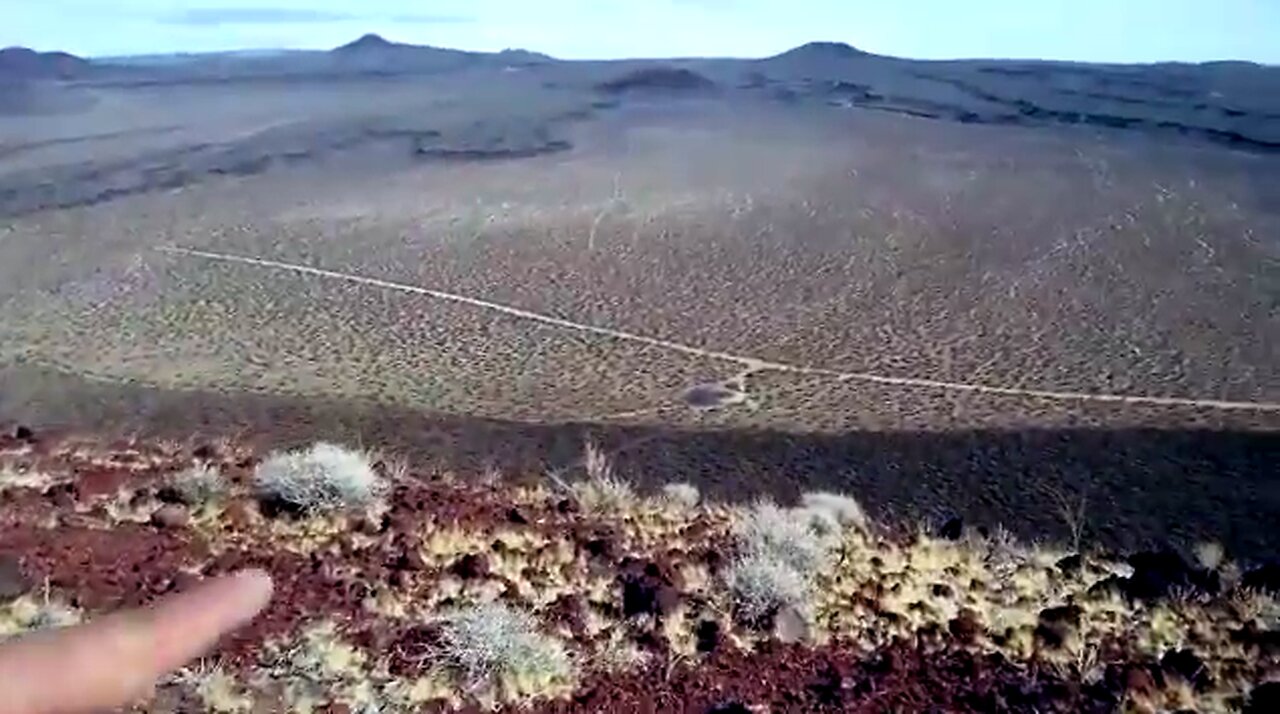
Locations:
493 645
323 477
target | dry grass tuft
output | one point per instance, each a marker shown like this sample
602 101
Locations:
685 495
1210 555
494 647
762 586
319 668
844 509
780 552
217 690
602 491
16 477
799 539
324 477
199 484
32 613
618 653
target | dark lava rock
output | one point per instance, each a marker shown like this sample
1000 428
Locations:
658 79
1264 699
1071 565
1268 641
1157 574
1057 624
411 560
515 516
712 558
204 452
139 498
1189 667
1141 683
276 507
570 610
471 566
1265 577
24 433
1069 614
600 548
397 578
965 627
708 635
647 589
952 529
12 582
373 526
169 494
827 687
403 554
730 708
1110 585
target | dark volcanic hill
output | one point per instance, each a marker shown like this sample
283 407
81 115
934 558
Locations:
817 51
441 102
24 63
367 43
374 53
519 57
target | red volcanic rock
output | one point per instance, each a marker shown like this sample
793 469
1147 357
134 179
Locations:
171 515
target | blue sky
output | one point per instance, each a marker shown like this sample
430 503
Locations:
1095 30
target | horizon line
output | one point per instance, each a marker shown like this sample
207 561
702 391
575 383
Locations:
867 53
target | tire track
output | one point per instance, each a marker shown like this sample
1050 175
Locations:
750 364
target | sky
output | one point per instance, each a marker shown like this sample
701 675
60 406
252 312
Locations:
1085 30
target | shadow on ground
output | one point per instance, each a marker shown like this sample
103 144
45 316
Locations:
1140 487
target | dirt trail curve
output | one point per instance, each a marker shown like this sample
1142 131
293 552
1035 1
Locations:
750 364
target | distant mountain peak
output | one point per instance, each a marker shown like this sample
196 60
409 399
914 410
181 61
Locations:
370 41
521 56
825 49
24 63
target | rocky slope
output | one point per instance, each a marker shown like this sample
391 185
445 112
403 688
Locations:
407 591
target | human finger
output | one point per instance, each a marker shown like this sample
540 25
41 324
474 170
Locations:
117 659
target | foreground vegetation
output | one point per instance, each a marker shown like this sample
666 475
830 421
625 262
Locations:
404 591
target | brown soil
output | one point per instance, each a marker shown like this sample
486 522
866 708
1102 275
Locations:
902 677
